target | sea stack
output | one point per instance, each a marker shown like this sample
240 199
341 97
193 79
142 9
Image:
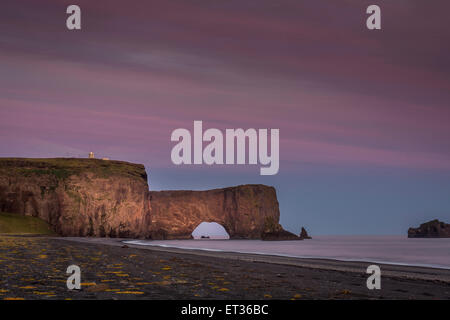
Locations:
304 234
430 229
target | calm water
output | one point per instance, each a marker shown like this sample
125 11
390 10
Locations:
380 249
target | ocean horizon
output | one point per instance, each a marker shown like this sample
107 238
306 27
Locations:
394 250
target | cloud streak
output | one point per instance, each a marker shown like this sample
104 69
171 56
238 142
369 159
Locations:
339 94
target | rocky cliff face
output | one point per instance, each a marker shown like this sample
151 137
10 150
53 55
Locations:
90 197
78 197
243 211
430 229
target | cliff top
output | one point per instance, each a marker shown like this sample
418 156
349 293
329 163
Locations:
242 187
65 167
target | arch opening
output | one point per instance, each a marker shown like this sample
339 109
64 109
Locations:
210 230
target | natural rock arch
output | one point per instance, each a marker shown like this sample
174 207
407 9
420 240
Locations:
210 230
242 211
81 197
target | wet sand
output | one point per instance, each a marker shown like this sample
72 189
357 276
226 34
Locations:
35 268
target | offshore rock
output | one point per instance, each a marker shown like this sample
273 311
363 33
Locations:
304 234
430 229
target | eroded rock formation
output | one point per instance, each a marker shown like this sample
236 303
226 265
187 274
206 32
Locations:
242 211
304 234
90 197
78 197
430 229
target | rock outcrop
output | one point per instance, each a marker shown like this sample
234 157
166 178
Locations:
90 197
430 229
274 232
242 211
304 234
78 197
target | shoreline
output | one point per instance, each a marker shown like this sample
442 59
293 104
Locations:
35 268
367 261
355 266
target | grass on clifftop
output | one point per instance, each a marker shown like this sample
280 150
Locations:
62 168
18 224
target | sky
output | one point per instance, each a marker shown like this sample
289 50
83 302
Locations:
363 115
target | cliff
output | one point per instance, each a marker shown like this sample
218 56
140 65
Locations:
430 229
78 197
91 197
243 211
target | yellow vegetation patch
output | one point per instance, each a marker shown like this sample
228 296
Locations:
27 287
87 284
13 299
40 293
98 288
130 292
181 281
163 283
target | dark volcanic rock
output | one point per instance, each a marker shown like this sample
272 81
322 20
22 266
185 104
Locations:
241 210
274 232
279 235
430 229
304 234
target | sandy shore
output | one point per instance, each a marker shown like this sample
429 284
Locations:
35 268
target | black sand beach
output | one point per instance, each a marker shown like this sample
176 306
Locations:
35 268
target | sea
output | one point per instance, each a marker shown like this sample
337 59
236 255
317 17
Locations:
396 250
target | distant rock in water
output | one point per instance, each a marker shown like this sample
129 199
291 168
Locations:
304 234
430 229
